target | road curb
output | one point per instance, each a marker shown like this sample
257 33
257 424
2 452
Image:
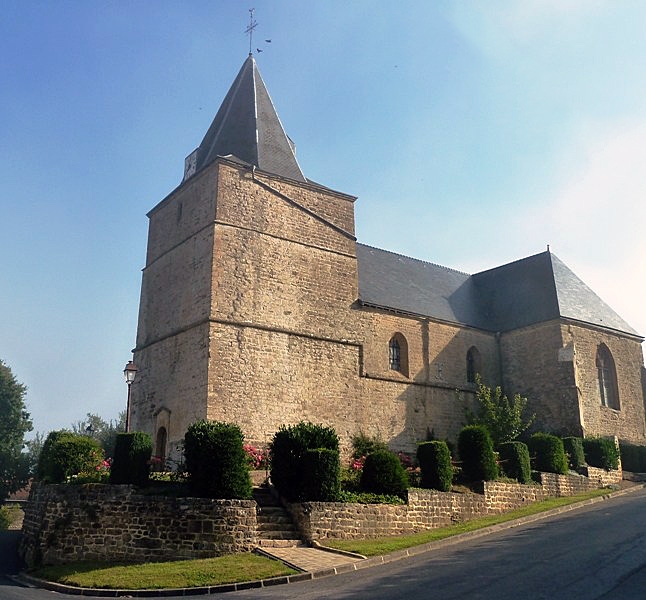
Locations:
370 562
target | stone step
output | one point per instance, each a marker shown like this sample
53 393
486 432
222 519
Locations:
278 535
266 500
283 522
276 518
271 510
270 543
266 529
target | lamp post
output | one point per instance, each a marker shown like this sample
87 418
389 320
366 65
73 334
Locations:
130 372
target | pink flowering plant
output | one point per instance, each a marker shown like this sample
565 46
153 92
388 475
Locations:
412 469
257 458
356 464
96 471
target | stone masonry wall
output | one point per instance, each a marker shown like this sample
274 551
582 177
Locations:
628 422
538 363
65 523
428 509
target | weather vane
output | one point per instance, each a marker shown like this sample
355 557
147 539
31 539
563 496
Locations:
252 25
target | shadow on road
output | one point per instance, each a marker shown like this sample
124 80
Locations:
10 563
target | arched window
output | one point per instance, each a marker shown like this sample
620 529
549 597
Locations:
607 376
160 446
398 354
473 364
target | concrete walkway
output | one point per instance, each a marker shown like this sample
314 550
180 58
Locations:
310 559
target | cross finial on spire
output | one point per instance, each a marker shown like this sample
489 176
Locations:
252 25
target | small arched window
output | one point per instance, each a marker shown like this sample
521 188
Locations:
398 354
473 364
607 376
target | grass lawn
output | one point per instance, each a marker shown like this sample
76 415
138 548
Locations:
378 546
232 568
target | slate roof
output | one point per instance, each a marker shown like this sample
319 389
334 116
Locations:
247 127
532 290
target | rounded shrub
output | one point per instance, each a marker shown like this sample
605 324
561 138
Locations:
288 449
383 473
216 461
66 454
514 457
434 459
131 460
322 475
548 453
601 453
476 453
574 449
633 457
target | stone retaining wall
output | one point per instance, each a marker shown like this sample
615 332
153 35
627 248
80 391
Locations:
65 523
427 509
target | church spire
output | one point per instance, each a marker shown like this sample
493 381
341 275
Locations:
247 127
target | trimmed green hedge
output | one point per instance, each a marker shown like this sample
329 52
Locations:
434 459
601 453
215 461
383 473
514 457
322 475
131 460
548 453
574 449
288 449
476 453
633 457
65 454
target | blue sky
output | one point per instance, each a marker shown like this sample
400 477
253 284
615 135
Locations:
473 133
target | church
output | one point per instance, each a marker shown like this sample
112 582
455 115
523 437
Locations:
260 307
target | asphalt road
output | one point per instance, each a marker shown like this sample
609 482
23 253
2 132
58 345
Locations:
594 553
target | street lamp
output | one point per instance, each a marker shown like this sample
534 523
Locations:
130 372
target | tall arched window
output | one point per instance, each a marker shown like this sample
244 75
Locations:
473 364
398 354
607 376
160 445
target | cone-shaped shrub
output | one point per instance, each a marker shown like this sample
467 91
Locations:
383 473
65 454
434 459
288 450
547 453
601 453
322 475
476 453
215 461
574 449
131 460
514 457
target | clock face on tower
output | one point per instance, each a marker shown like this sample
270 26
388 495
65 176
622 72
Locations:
190 165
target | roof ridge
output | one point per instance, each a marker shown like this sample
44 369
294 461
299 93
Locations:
518 260
426 262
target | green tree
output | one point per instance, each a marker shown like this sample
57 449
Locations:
14 423
104 432
502 417
34 447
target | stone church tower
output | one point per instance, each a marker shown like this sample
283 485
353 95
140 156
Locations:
238 256
259 307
